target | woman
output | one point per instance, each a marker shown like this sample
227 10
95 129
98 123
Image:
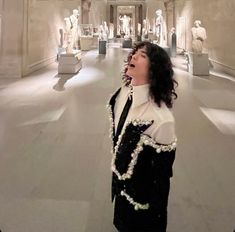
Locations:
144 141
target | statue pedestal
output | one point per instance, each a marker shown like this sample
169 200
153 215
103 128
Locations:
198 64
127 43
173 45
86 42
102 47
151 36
70 63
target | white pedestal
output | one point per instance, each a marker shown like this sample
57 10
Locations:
70 63
86 42
199 64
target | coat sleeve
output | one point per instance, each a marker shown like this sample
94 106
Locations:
164 133
161 173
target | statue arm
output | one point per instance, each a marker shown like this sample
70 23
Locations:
204 34
201 35
67 24
194 33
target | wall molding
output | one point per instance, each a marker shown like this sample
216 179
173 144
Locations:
222 64
219 66
41 63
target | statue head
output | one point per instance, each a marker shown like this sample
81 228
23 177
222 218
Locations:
197 23
158 12
75 12
172 30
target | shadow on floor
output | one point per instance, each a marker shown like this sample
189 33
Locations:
63 78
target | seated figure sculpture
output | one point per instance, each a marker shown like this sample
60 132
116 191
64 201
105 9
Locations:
198 37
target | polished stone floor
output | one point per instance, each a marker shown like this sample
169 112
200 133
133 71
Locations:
55 150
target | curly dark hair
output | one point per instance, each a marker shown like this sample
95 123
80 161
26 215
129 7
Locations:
161 74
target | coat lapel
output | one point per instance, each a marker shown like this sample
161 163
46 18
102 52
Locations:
110 108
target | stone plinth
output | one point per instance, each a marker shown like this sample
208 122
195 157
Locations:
127 43
70 63
198 64
102 47
86 42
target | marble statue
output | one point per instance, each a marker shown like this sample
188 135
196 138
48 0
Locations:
159 27
198 36
125 25
103 31
111 30
72 31
145 29
106 29
173 42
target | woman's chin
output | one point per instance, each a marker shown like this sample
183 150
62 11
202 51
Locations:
129 73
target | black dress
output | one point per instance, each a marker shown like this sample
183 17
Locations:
141 178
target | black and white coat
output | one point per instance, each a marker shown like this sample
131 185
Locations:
142 160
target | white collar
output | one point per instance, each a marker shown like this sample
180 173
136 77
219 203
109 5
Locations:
140 94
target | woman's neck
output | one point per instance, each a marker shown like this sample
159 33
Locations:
138 82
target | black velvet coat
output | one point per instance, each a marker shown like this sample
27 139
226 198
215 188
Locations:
149 183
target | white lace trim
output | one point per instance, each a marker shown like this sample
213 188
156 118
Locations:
136 205
144 140
134 154
111 129
158 147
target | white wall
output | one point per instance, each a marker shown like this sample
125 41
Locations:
151 7
183 14
97 12
30 34
11 38
218 18
41 35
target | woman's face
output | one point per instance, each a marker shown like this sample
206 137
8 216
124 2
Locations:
138 67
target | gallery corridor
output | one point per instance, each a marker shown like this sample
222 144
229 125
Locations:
55 150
